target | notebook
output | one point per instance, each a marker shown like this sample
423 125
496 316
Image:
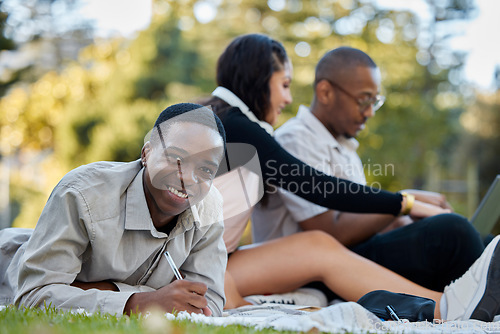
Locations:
487 214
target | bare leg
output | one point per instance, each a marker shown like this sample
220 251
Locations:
233 297
287 263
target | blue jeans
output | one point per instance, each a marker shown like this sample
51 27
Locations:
431 252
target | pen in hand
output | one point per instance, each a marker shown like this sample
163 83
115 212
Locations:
178 275
171 262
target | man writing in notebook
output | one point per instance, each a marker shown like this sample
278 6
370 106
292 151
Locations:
346 87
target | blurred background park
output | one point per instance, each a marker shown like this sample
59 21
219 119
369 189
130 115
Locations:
72 92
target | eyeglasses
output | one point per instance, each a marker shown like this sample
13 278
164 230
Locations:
375 101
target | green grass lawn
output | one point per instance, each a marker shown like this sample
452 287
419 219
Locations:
51 321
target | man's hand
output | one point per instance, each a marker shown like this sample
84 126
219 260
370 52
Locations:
180 295
430 197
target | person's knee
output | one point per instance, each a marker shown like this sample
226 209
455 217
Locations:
449 223
458 230
457 225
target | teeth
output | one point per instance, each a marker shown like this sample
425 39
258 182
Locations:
177 193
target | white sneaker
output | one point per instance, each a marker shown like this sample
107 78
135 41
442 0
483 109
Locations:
302 297
476 295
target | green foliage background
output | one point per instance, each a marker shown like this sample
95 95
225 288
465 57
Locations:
101 105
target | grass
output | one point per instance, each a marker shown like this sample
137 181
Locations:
51 321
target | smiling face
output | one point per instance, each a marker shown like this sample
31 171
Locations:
280 95
180 168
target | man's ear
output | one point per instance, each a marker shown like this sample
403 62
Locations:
146 149
324 92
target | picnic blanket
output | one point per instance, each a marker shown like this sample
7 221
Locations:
347 317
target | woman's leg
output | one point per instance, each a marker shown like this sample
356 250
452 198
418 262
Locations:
288 263
233 297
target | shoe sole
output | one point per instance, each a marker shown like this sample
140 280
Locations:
489 305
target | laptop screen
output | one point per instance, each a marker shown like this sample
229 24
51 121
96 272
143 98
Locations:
487 214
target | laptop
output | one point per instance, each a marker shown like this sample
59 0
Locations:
487 214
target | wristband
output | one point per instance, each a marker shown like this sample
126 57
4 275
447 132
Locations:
410 199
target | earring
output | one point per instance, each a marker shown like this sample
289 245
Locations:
144 162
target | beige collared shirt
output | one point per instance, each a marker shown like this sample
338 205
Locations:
305 137
96 226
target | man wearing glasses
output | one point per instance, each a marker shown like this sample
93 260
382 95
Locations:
431 252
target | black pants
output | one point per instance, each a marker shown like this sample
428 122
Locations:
431 252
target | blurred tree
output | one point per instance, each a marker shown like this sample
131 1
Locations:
49 34
170 59
5 81
481 140
6 43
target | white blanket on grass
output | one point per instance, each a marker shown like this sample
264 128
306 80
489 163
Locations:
339 318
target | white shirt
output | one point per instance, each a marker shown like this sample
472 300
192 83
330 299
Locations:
305 137
242 187
230 98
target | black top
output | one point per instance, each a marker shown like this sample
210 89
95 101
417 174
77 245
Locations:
281 169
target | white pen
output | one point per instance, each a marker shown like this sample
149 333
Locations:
171 262
175 270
